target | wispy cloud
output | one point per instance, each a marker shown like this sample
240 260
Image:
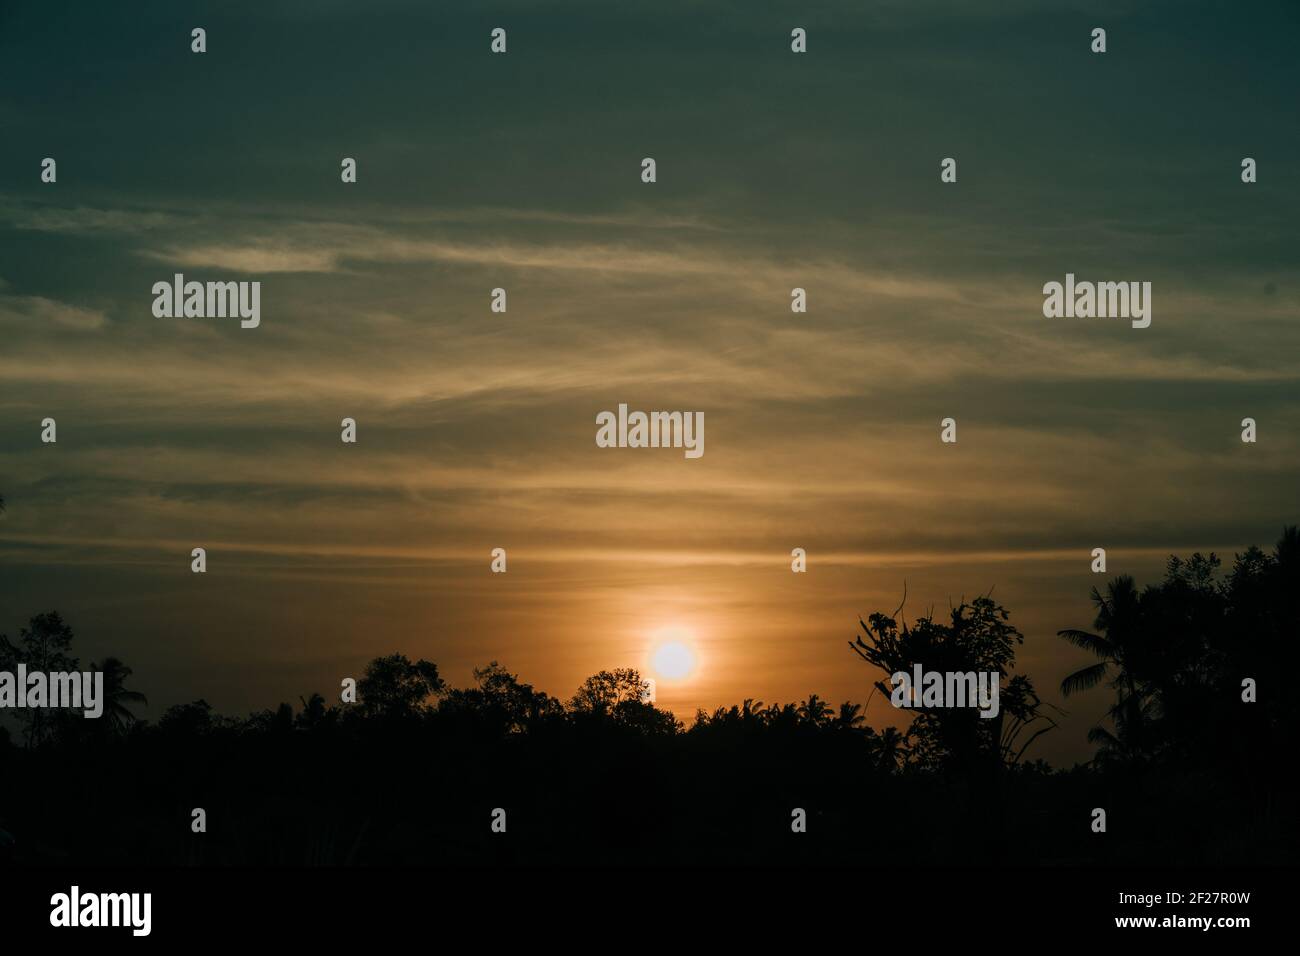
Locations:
33 312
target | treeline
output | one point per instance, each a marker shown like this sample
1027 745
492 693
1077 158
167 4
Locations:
1192 761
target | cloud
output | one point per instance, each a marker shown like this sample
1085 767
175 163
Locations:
88 220
257 257
31 311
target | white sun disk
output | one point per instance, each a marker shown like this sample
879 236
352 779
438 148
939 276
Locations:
673 660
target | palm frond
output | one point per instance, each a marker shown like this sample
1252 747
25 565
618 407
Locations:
1095 643
1100 735
1085 679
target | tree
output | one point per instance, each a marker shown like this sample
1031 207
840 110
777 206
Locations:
314 713
850 718
1259 640
782 717
117 716
43 645
1177 652
394 688
501 702
814 711
890 749
277 723
978 637
1118 646
187 720
602 692
622 698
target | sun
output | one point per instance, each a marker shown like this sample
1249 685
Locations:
673 657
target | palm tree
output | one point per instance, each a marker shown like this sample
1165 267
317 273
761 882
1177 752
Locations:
888 747
814 711
116 696
781 715
850 717
1119 620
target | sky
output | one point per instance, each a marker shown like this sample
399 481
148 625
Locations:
476 429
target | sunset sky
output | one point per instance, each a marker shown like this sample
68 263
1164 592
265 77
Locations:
476 430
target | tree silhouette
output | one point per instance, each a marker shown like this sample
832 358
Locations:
621 698
395 689
501 703
1119 619
314 713
602 692
1176 654
43 645
188 720
889 749
850 717
814 711
117 715
977 638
